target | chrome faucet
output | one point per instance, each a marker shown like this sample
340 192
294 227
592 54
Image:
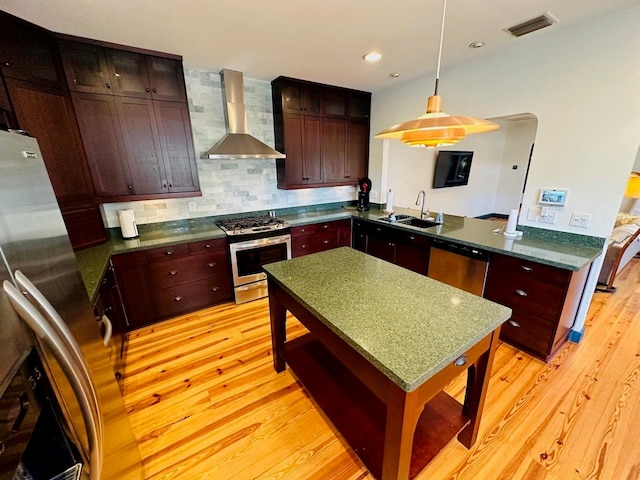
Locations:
424 197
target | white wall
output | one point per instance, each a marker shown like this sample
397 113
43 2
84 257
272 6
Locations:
519 136
583 85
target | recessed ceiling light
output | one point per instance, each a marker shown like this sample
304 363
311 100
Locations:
394 74
372 56
476 44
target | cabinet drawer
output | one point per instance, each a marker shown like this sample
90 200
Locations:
303 230
528 333
189 269
132 259
412 239
525 294
314 243
206 246
191 296
167 253
527 269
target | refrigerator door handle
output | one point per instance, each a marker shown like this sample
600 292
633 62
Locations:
44 331
60 327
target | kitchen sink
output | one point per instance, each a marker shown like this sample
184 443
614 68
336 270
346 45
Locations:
409 220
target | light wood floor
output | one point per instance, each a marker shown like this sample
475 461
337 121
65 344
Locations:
205 403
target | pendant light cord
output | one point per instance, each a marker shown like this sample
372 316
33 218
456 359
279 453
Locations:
444 11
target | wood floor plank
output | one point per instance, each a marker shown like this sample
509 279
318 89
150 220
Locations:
205 403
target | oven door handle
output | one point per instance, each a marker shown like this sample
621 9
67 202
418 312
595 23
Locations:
259 242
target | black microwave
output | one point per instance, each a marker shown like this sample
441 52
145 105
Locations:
34 444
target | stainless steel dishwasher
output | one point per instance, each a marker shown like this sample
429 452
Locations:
458 265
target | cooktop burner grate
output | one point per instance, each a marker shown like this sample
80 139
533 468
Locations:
249 225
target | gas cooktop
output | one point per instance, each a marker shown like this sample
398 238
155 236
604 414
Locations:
252 225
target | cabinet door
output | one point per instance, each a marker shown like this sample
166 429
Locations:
135 288
7 117
48 115
28 52
129 73
98 121
359 236
176 141
381 247
142 144
312 141
357 150
334 149
294 149
359 105
85 67
166 79
334 102
298 97
84 225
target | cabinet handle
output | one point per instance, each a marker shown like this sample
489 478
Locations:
164 185
325 242
130 187
208 245
412 238
154 90
169 252
522 293
325 226
526 268
215 289
460 361
4 64
513 323
108 85
173 273
177 299
304 247
302 230
212 264
148 90
392 244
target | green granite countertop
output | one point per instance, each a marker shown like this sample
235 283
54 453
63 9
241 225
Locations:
557 249
407 325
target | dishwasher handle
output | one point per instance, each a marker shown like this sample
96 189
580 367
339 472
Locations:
458 248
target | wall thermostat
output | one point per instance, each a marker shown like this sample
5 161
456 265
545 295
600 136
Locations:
553 196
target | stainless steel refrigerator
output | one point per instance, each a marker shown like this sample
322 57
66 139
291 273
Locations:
34 241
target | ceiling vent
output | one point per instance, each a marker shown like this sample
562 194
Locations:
532 25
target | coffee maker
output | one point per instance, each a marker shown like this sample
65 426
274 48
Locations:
363 194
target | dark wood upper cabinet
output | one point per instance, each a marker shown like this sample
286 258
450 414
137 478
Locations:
334 102
301 98
146 76
100 129
334 149
174 130
85 67
142 145
28 52
47 114
330 152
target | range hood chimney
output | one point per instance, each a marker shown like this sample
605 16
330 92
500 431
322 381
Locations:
237 143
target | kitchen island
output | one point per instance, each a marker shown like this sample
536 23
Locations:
383 343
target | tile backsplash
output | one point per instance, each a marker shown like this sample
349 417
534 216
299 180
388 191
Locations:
233 185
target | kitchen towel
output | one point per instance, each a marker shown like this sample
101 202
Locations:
128 224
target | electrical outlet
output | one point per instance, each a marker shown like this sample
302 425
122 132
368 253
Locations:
580 219
548 217
193 207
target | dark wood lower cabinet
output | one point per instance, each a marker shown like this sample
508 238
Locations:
406 249
544 301
84 225
168 281
109 303
312 238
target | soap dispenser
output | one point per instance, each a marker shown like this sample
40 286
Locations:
439 217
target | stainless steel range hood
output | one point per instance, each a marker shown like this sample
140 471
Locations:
238 143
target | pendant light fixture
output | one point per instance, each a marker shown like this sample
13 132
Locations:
436 128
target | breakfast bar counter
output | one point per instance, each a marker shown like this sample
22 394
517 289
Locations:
383 342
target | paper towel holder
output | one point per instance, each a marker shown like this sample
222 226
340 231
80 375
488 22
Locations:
128 225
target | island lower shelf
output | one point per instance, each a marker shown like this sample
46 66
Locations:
359 415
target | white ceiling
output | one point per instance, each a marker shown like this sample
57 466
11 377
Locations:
320 40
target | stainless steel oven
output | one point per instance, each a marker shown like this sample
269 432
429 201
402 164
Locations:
254 242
